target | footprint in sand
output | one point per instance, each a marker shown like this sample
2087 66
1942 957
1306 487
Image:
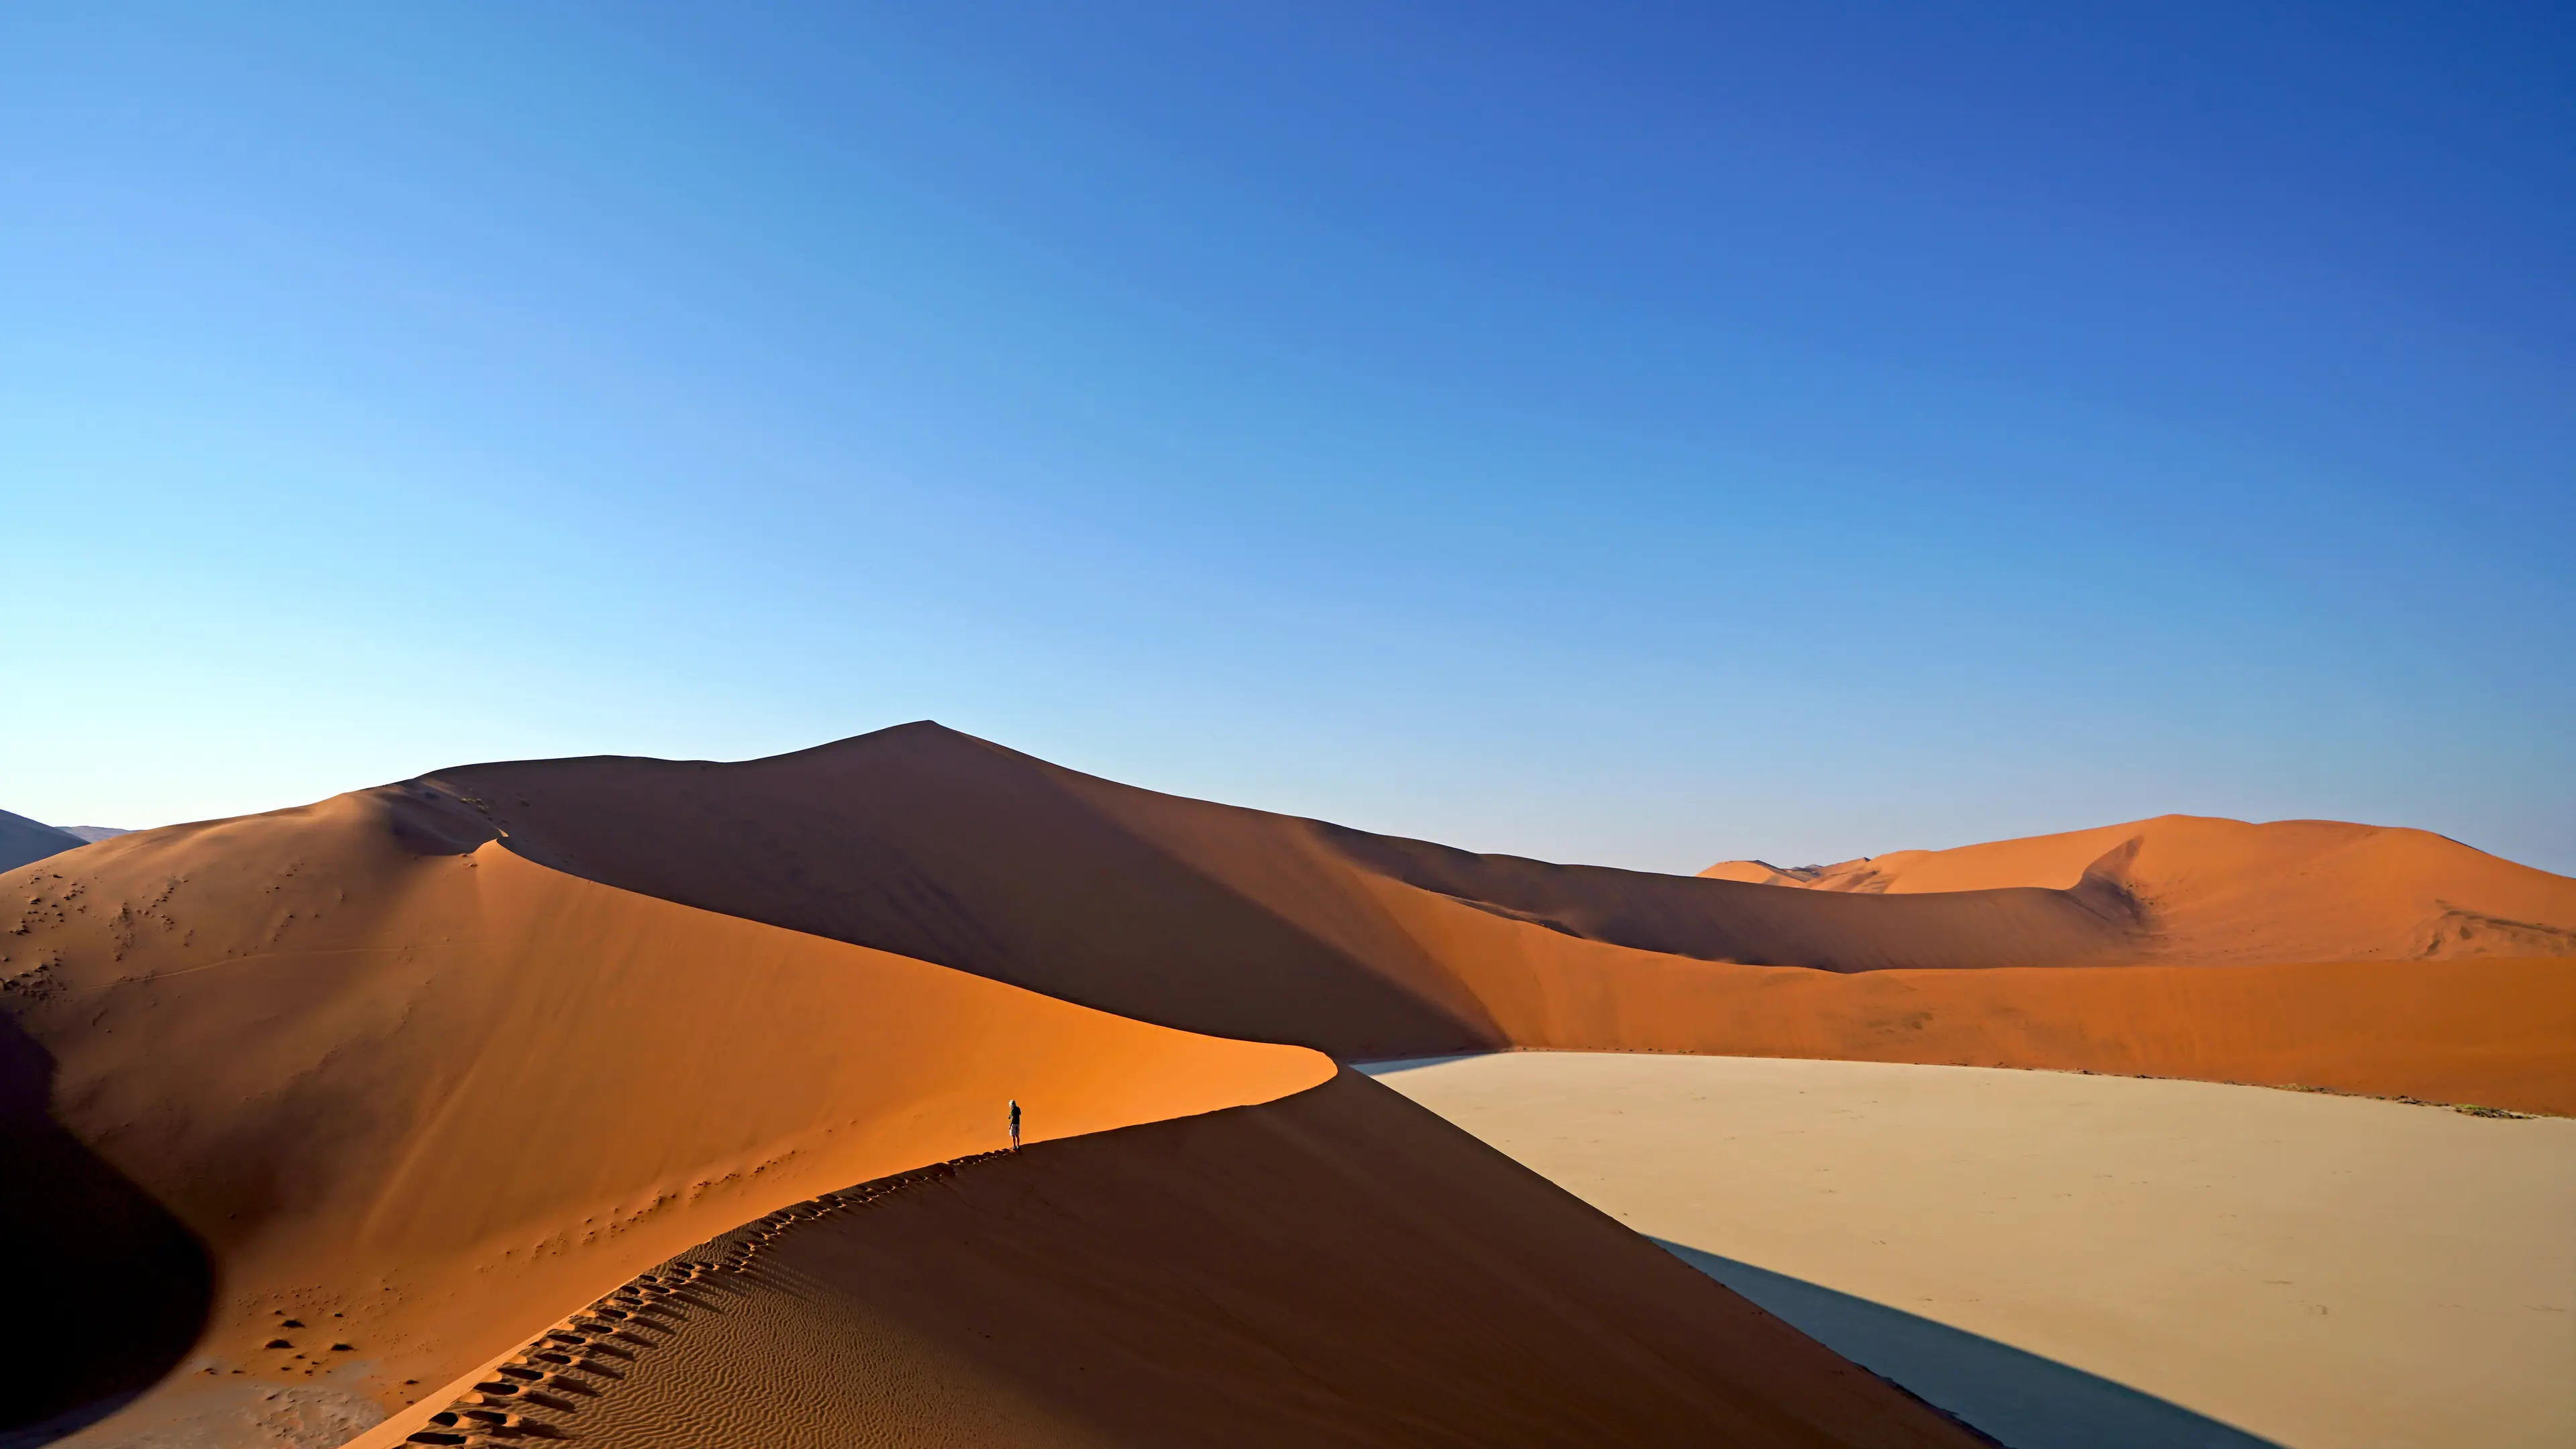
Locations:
569 1362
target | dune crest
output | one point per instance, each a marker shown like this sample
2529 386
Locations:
1335 1267
415 1070
1212 918
417 1093
1241 923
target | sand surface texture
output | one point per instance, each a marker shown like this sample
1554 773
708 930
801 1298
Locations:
1337 1267
2089 1261
409 1096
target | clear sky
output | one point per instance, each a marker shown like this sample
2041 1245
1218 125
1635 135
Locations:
1633 434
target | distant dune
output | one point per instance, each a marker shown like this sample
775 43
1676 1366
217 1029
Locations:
95 833
2210 890
23 840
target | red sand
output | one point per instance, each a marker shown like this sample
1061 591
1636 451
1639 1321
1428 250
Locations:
1235 922
2495 1031
421 1101
2213 890
1248 924
1337 1267
421 1067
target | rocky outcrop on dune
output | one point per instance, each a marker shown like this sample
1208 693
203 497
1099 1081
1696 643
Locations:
2214 890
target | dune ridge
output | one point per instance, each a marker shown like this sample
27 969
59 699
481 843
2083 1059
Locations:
1235 922
416 1093
416 1068
1336 1266
1246 924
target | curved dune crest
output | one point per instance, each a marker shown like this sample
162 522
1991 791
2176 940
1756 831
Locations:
419 1094
2220 890
418 1068
1335 1267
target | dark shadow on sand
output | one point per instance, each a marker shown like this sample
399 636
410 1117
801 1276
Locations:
2021 1399
1392 1065
109 1291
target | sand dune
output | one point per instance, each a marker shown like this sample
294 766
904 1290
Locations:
2499 1032
1335 1267
378 1088
1236 922
2086 1262
1241 923
2211 890
23 840
417 1094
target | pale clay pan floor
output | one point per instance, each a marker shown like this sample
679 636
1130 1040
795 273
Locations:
2177 1263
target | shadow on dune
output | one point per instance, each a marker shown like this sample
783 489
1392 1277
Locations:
939 846
1725 920
109 1290
2021 1399
1238 923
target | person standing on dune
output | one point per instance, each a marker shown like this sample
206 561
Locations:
1015 1124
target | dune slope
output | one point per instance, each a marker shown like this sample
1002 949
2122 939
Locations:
1211 918
2211 890
1334 1267
2496 1031
417 1094
937 845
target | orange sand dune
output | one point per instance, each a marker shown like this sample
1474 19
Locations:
2224 890
1242 923
421 1066
1236 922
2501 1032
1336 1267
418 1094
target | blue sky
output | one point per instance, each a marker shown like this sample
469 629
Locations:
1619 433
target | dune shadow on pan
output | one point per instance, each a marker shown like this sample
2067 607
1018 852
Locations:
109 1289
2018 1398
